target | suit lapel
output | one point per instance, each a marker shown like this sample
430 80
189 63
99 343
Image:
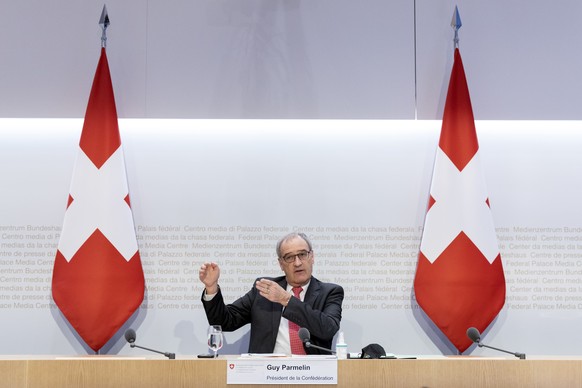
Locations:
312 291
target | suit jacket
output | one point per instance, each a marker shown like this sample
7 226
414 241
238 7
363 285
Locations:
320 313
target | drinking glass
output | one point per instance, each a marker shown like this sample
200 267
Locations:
215 338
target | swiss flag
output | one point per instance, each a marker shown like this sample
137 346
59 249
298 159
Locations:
98 280
459 280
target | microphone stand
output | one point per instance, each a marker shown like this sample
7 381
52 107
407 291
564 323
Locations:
310 345
521 356
170 356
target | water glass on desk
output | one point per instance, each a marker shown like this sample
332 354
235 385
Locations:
215 338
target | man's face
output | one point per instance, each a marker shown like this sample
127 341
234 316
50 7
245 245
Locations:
297 271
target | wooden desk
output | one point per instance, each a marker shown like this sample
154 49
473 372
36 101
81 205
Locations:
108 372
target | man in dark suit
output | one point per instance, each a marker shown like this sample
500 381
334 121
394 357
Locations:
277 307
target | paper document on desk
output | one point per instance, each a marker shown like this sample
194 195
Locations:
293 356
259 355
314 356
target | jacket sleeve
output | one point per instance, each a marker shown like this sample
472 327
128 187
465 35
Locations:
232 316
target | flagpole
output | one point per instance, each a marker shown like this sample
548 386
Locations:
456 24
104 23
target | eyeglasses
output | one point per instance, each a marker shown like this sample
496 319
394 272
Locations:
290 258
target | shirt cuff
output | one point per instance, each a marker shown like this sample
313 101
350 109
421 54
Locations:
208 297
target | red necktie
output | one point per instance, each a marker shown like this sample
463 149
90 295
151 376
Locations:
296 344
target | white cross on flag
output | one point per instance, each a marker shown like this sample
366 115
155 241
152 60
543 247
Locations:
98 280
459 279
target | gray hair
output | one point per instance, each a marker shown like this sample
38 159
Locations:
291 236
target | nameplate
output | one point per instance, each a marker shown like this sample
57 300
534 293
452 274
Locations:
281 370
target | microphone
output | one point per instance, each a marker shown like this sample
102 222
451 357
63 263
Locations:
305 337
475 336
130 337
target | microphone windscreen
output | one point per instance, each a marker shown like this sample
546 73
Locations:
304 334
130 335
473 334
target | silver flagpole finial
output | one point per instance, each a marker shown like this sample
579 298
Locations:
456 24
104 23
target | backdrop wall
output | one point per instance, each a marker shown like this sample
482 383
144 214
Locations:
226 190
323 59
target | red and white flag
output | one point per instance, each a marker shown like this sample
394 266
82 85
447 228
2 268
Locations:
98 280
459 279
